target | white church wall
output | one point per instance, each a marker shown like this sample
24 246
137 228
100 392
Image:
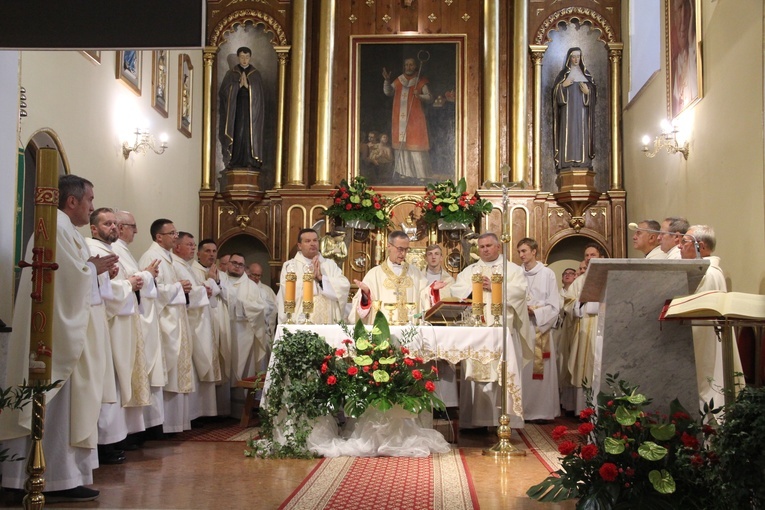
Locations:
721 183
92 113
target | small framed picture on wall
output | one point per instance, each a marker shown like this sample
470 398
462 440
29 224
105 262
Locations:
159 89
129 69
185 94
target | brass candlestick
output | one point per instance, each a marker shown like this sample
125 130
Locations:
290 281
496 296
308 294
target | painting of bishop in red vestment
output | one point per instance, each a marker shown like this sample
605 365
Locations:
407 91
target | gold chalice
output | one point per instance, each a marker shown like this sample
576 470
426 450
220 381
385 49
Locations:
410 307
390 307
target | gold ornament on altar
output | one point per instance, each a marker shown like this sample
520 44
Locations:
496 295
308 293
477 295
290 280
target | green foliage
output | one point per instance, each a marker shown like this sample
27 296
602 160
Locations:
452 203
356 201
632 458
15 399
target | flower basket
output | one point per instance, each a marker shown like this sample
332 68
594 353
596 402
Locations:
450 205
359 206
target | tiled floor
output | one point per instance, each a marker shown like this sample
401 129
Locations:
216 475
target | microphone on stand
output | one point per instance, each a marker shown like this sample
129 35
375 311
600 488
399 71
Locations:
634 226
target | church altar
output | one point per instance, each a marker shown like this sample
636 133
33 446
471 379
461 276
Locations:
395 432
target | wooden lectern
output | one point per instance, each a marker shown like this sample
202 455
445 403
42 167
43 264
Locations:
631 341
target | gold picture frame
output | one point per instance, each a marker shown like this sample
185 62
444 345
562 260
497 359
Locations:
185 94
430 149
684 62
159 81
128 69
92 55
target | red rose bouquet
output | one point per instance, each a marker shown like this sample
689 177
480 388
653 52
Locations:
451 203
354 202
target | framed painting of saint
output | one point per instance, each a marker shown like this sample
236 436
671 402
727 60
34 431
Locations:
684 73
159 88
129 69
406 109
185 94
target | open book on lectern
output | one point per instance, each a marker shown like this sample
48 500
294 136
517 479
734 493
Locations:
715 304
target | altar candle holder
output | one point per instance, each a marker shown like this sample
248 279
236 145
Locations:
308 293
477 295
496 295
290 280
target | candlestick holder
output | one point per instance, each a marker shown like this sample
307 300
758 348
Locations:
307 311
290 281
496 297
477 307
289 310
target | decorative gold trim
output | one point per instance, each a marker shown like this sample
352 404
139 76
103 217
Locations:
490 126
519 149
243 16
465 17
208 59
569 14
386 19
432 17
352 18
282 53
615 58
537 56
296 146
324 78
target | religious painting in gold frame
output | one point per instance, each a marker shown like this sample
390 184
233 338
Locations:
684 62
128 69
159 80
397 139
185 94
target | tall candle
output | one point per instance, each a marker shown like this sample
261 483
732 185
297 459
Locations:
308 286
496 292
289 284
477 285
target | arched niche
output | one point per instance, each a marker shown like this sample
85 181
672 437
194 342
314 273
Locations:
569 252
254 251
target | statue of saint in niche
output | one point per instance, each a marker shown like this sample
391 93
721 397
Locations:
574 96
240 101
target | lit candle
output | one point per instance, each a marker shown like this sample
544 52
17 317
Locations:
308 284
496 285
477 284
289 284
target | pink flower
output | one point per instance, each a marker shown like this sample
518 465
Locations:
567 447
589 451
608 471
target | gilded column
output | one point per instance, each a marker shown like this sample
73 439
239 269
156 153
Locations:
282 53
490 128
207 115
296 124
537 54
324 115
615 56
519 148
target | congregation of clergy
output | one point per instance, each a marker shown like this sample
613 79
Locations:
154 342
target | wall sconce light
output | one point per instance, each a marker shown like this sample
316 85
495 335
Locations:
668 140
143 142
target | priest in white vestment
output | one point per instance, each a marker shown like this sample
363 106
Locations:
268 296
480 394
707 348
249 344
125 416
395 282
206 270
561 336
154 413
439 283
330 286
646 240
202 402
582 337
176 340
670 241
541 400
79 359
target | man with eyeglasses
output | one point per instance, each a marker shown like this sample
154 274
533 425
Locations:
250 345
480 394
394 281
204 352
706 346
670 244
125 416
153 415
267 295
330 286
646 240
175 334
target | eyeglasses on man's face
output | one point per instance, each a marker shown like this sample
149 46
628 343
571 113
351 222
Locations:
172 233
235 263
401 249
131 225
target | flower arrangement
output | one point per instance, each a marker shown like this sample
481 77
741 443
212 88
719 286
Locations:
356 201
310 379
628 457
452 203
375 370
